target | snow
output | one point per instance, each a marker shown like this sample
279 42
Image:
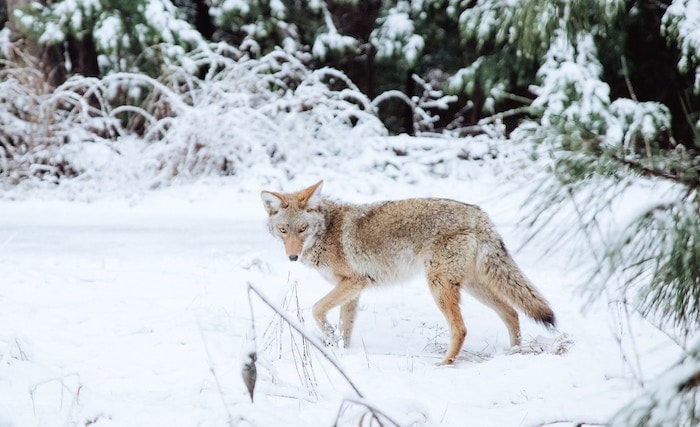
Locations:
239 6
107 31
681 23
395 38
130 307
572 98
123 292
662 402
52 33
5 38
330 40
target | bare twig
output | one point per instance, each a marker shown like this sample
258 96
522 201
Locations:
376 413
527 109
572 422
306 374
22 355
626 74
64 387
689 181
312 340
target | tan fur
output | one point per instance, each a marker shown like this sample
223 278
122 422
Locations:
355 246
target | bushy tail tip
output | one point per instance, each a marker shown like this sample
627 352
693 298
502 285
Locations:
548 319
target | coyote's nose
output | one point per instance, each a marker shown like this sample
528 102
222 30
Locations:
293 257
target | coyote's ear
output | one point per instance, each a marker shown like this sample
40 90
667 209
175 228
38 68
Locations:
311 196
273 202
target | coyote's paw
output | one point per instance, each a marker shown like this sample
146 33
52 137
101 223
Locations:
558 345
446 362
330 339
516 349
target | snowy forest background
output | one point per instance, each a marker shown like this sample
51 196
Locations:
597 96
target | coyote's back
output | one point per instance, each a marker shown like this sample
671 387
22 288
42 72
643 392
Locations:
355 246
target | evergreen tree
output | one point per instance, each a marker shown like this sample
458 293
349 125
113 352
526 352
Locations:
105 36
596 148
379 44
323 33
415 51
512 38
489 53
259 26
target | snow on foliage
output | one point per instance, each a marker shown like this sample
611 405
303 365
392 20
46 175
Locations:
572 97
634 121
575 107
681 24
127 30
395 37
271 112
261 112
255 18
673 399
512 39
331 41
36 122
5 44
260 26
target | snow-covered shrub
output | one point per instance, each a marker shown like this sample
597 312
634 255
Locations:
36 122
572 100
257 112
422 107
237 114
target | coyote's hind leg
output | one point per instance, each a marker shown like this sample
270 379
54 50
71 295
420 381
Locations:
447 297
348 313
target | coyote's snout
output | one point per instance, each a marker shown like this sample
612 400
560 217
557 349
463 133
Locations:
353 246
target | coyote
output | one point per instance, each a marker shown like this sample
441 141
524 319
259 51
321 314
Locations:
360 245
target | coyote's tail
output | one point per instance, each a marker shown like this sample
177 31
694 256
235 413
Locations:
500 269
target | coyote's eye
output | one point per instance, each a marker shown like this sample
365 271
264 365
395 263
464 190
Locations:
303 227
283 229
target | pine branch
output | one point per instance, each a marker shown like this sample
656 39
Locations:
646 171
692 382
526 109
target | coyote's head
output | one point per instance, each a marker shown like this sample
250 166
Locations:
294 218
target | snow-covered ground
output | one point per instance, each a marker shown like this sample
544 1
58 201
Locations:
132 309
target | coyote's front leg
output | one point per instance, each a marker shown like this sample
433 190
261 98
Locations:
346 293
